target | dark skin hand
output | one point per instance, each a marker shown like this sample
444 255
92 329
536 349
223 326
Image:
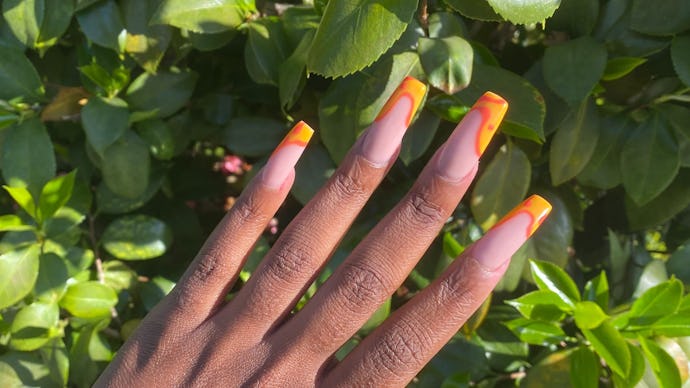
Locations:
194 338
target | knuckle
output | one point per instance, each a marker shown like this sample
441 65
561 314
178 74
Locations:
248 208
291 262
362 285
403 344
421 210
454 291
348 184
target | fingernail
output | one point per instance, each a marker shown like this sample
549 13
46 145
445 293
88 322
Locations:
385 135
470 138
286 155
504 239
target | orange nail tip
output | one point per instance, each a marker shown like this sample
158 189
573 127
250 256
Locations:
538 208
410 88
299 135
493 108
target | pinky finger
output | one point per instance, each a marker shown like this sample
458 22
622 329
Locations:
216 267
397 350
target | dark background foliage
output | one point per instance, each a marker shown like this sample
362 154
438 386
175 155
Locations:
128 127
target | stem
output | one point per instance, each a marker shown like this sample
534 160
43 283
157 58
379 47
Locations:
96 252
98 262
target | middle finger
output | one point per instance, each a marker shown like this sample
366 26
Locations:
378 266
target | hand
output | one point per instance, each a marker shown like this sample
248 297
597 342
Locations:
194 338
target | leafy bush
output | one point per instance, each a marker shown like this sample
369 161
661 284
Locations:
128 127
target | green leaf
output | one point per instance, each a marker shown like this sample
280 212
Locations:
118 275
419 136
28 159
588 315
611 346
23 198
603 168
352 103
89 300
542 305
675 325
56 358
22 369
18 77
678 116
145 43
63 227
210 42
667 18
577 17
525 118
650 160
51 282
654 273
110 82
549 276
165 92
24 18
10 222
266 50
572 69
662 364
205 16
159 136
137 238
502 186
585 368
475 9
55 195
597 290
102 24
680 53
551 371
536 332
154 291
38 23
253 136
657 302
292 75
126 172
447 62
574 143
89 354
31 326
311 173
446 25
525 11
58 15
620 67
364 30
662 208
679 262
111 203
18 273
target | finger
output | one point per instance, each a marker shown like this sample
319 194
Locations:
305 245
382 261
397 350
214 270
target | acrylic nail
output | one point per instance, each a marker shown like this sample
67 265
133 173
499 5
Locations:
286 155
504 239
385 135
470 138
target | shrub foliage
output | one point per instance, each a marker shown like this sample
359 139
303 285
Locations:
128 127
